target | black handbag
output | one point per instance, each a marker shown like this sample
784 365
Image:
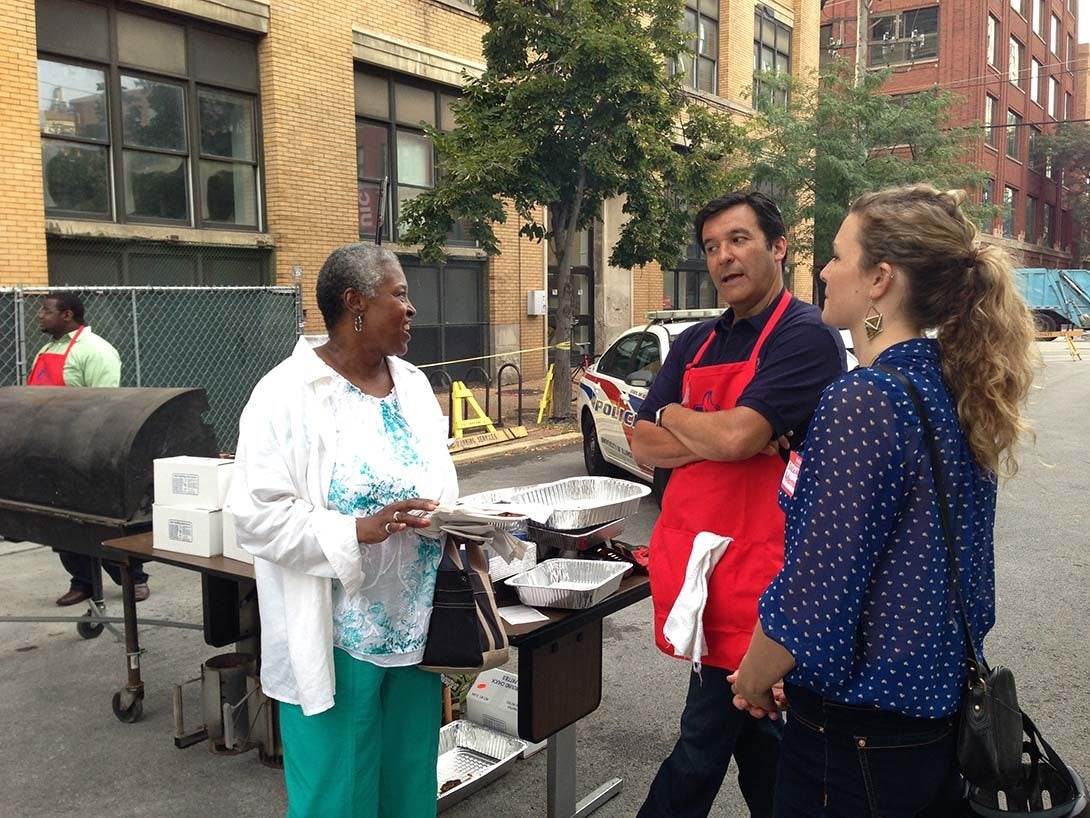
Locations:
465 634
990 722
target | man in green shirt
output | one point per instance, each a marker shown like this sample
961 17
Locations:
78 357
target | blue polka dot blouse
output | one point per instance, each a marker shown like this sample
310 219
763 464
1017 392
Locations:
864 601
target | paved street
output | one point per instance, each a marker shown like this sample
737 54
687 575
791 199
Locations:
64 753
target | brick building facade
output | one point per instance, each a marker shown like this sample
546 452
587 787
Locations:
206 142
1013 65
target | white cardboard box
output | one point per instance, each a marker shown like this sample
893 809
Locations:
192 482
231 548
195 531
493 702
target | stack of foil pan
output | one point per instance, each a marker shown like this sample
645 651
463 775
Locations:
471 756
584 502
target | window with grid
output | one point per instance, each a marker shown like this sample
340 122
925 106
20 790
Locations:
771 52
993 41
391 111
146 118
1014 62
991 120
1010 197
1014 129
451 321
699 69
904 37
688 286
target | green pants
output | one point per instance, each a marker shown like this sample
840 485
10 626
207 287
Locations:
373 754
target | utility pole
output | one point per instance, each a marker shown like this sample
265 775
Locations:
862 35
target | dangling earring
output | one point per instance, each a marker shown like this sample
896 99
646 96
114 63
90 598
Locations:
873 322
357 322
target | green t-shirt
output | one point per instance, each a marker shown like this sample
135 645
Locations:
92 361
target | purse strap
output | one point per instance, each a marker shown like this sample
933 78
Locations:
971 658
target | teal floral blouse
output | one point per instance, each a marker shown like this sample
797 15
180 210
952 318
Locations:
378 462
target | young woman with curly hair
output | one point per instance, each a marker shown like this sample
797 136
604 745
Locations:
861 623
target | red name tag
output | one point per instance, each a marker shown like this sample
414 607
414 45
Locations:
791 474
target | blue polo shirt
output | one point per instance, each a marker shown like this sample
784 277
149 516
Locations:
799 359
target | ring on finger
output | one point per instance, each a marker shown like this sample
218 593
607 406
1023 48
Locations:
388 529
397 519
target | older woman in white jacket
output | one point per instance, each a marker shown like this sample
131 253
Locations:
337 445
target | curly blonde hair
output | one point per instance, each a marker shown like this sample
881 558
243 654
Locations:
966 291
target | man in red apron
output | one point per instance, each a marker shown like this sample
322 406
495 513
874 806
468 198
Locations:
78 357
728 390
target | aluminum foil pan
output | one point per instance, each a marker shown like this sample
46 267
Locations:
498 497
472 756
583 502
569 584
579 540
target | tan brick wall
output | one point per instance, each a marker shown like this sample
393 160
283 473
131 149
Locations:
22 214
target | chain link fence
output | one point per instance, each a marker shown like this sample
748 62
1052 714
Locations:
222 339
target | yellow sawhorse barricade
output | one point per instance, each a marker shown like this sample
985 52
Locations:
467 414
1067 335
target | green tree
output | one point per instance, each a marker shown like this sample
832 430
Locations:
839 137
576 106
1068 149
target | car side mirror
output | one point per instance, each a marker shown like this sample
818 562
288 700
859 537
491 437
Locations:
641 377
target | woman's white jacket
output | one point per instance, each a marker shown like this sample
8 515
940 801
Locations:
278 497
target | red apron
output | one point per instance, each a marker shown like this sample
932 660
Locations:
738 500
49 366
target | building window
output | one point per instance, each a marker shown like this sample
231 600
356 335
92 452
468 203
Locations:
987 197
1035 79
391 111
829 48
1010 196
1014 63
688 286
1035 158
991 122
1069 106
1070 52
1053 95
146 119
904 37
993 41
1046 225
1019 6
699 70
1054 36
771 52
1039 18
450 322
1014 128
1031 220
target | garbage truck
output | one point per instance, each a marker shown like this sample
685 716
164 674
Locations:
1058 298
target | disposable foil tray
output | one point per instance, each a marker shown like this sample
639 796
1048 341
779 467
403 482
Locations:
497 498
583 502
499 569
572 584
472 756
578 540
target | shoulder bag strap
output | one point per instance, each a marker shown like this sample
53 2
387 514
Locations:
971 658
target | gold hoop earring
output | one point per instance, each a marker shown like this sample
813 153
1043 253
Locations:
873 322
357 322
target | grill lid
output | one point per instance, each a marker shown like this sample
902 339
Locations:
90 451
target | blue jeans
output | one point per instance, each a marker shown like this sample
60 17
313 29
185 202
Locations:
712 731
839 761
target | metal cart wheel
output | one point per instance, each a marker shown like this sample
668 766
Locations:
128 706
89 630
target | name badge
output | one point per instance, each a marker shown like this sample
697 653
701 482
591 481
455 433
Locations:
791 474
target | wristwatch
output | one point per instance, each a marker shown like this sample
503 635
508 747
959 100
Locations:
658 414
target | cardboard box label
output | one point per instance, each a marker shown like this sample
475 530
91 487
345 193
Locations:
181 483
180 531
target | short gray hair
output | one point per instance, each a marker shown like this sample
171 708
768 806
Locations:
357 266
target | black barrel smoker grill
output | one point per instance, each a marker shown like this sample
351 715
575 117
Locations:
76 468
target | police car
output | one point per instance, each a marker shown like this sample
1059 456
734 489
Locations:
613 389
